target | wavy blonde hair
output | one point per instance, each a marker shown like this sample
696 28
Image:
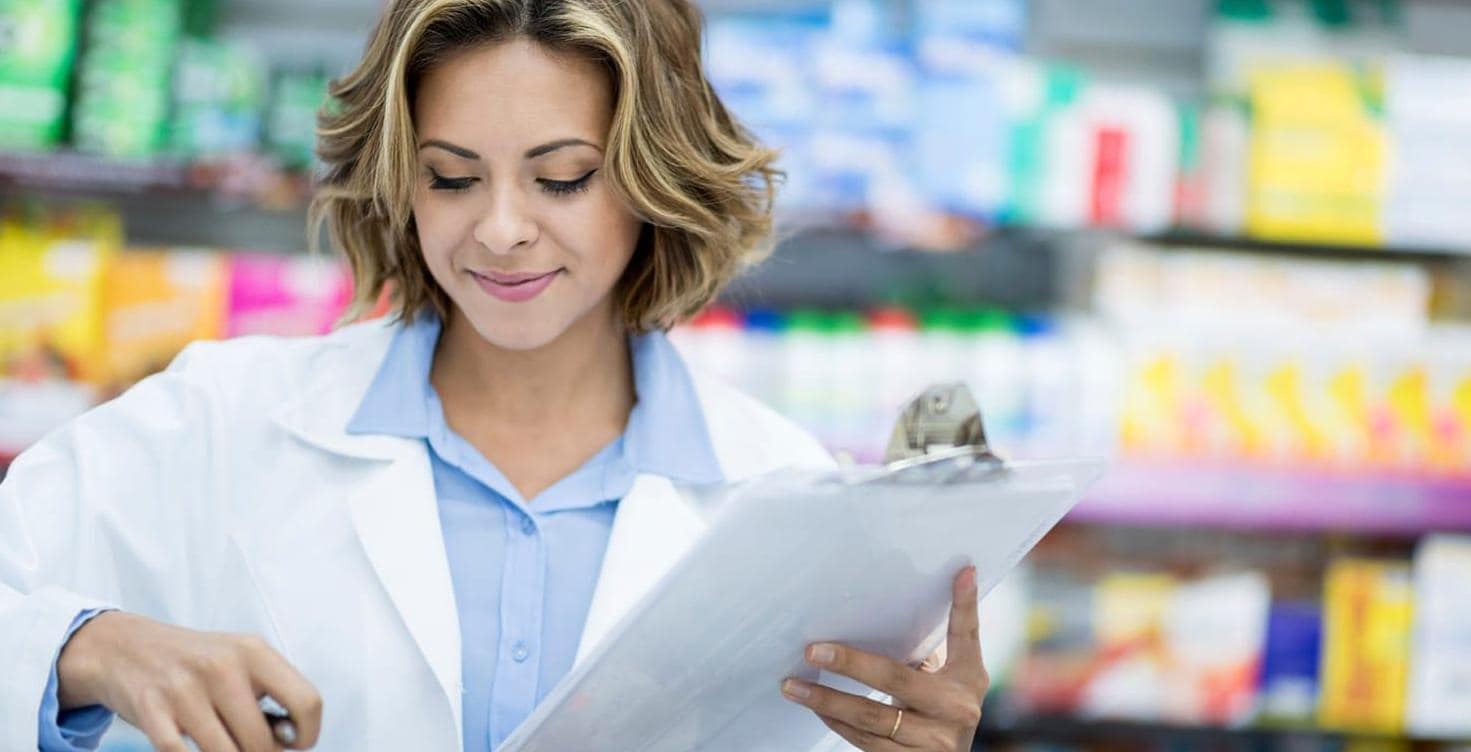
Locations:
700 182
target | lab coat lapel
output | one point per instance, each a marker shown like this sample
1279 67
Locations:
393 507
655 525
397 520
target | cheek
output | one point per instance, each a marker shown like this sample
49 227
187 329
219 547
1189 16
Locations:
607 231
438 230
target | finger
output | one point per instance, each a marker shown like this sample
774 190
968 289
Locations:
860 738
273 675
859 712
963 640
237 706
202 724
157 723
909 686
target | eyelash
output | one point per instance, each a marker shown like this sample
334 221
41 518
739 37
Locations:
439 182
567 187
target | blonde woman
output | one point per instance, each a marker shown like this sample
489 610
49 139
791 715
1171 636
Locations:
407 532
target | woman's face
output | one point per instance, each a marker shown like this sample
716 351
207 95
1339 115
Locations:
517 222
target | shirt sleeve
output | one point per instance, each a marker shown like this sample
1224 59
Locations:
78 728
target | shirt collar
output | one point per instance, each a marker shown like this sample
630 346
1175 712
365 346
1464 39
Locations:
666 433
397 401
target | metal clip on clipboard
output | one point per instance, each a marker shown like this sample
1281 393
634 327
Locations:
940 438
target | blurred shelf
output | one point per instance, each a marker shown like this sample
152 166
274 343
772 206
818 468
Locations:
848 267
245 202
248 179
82 173
1170 494
1144 734
1243 243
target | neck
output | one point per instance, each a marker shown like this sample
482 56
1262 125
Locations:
582 378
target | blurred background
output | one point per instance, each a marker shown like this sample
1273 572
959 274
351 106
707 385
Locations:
1226 243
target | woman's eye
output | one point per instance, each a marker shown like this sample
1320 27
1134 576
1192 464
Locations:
564 187
439 182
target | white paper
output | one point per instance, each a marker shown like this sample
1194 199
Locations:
793 559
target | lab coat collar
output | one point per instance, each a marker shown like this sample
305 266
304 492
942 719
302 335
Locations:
333 387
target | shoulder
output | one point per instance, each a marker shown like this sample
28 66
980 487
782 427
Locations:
286 364
749 437
258 355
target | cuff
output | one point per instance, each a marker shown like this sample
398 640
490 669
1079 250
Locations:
78 728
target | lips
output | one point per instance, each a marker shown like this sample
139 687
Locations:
515 288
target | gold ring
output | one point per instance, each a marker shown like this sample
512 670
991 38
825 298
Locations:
898 721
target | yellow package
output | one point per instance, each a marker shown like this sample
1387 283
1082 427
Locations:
51 271
1317 157
1366 646
155 303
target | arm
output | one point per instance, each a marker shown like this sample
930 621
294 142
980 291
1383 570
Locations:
79 521
120 509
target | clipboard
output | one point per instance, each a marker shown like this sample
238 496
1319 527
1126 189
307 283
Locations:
863 556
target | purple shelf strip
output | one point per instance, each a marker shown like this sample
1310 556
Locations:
72 171
1181 495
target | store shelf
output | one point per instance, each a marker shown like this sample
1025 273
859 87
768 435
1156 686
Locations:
1336 250
73 172
1168 494
1139 734
251 179
845 267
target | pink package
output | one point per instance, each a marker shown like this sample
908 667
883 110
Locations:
285 295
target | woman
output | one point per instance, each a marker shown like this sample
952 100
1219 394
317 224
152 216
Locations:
406 533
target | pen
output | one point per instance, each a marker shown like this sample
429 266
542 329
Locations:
282 727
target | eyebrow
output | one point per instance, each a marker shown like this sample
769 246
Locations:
458 151
532 153
555 145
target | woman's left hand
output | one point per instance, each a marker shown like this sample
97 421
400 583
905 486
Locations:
937 711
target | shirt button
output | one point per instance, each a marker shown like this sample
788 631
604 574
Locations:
527 526
520 653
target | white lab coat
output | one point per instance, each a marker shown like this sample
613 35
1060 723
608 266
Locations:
224 494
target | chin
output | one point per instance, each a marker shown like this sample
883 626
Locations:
516 335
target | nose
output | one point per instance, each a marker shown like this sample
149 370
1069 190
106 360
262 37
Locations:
506 225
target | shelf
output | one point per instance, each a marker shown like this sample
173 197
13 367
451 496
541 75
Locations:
241 179
1067 730
73 172
1170 494
1335 250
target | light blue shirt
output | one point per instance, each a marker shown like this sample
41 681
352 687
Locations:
523 570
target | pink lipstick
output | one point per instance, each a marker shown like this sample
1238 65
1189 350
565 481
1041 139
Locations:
515 288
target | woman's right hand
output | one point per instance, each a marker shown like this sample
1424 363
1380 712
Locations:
171 682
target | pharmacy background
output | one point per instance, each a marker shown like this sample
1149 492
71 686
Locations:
1224 243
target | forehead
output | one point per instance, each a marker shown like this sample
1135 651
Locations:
509 96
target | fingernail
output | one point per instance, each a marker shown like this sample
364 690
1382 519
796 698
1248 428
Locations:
795 689
822 654
968 579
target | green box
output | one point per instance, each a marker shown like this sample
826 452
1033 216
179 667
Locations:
38 47
125 83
